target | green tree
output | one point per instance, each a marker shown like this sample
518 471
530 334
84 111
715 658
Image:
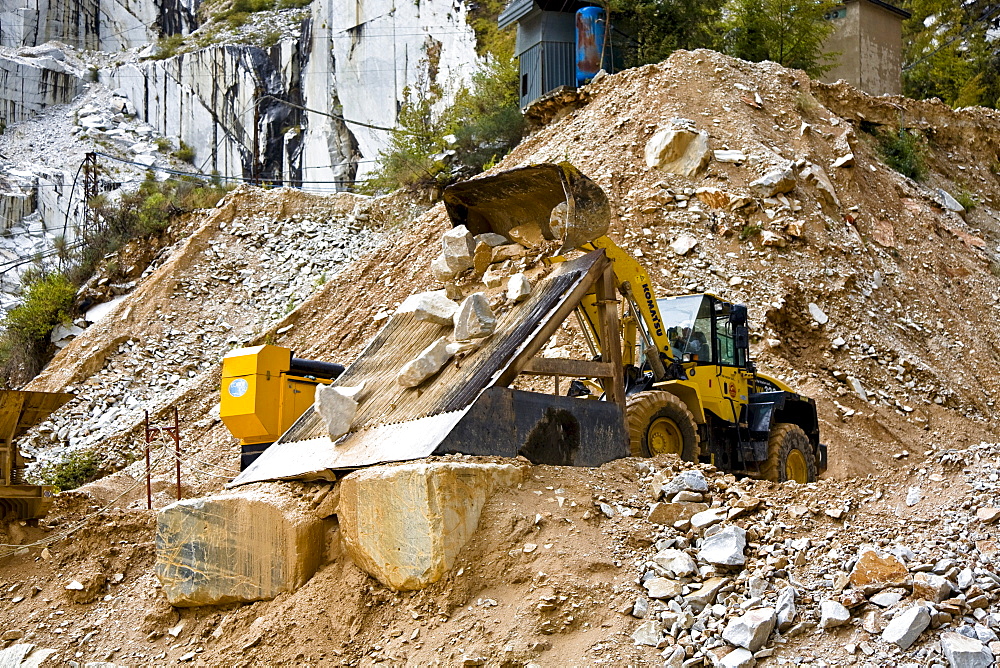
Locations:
948 55
656 28
788 32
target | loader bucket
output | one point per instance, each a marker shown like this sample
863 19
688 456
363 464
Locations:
528 195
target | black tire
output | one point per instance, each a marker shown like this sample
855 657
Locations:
656 414
785 440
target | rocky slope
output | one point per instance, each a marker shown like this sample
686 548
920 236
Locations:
874 301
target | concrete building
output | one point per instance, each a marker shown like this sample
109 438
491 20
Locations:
869 38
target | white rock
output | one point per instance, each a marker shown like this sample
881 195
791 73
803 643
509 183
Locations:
733 156
677 562
662 587
817 314
678 151
907 626
518 287
640 607
751 629
440 269
474 319
427 363
913 496
738 658
693 481
725 547
817 176
648 633
775 182
964 652
491 239
75 585
785 608
709 517
844 161
434 307
886 599
337 406
858 388
459 248
833 614
945 199
673 657
683 244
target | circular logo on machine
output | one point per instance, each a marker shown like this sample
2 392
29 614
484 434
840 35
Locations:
238 387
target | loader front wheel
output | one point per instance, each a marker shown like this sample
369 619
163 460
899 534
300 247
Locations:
659 423
789 455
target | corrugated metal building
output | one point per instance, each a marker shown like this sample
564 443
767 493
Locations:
546 44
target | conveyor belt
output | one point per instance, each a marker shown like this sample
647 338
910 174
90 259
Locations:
381 430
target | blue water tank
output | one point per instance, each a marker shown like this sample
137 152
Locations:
591 28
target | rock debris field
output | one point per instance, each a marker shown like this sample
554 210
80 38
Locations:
867 290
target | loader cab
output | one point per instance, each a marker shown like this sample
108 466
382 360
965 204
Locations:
706 330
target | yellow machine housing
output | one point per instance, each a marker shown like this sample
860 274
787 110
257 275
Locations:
264 391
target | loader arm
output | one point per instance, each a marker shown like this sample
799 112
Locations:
646 331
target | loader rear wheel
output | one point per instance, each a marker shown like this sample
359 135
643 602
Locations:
789 455
658 423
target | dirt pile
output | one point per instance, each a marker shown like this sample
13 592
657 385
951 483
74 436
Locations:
871 299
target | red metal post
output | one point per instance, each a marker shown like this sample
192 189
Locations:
149 484
177 450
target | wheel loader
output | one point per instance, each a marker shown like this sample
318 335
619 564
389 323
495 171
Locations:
666 374
691 387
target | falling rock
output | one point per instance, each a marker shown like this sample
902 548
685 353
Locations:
874 570
648 633
833 614
474 319
775 182
426 364
678 151
677 562
816 175
725 547
662 587
433 307
240 546
459 248
683 244
731 156
337 406
405 524
907 626
963 652
785 607
934 588
751 629
817 314
518 287
670 513
948 202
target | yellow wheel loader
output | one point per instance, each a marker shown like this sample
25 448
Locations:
666 375
691 388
